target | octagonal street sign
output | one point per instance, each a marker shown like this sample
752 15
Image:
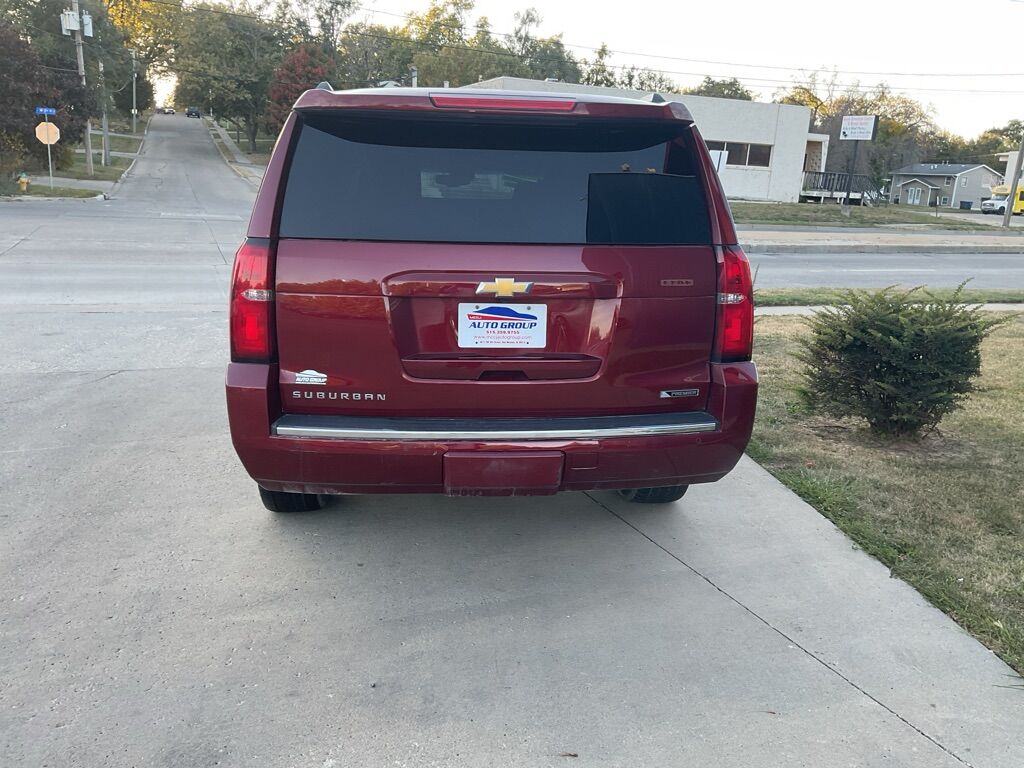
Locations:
48 133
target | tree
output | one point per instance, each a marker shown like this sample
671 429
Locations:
38 23
905 126
729 88
540 57
147 27
647 80
19 87
143 95
598 71
467 61
314 21
301 69
225 57
443 23
370 54
26 82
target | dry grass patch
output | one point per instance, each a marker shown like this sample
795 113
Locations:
805 297
946 513
828 214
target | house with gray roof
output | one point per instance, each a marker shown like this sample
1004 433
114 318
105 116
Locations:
947 185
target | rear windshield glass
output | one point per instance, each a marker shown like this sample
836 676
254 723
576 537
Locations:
590 181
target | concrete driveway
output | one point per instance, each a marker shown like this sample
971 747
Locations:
155 615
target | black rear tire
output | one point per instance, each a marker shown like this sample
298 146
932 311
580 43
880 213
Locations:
282 501
664 495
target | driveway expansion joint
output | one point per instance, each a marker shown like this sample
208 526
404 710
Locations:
782 634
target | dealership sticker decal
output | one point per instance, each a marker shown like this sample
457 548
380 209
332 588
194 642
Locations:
309 376
503 325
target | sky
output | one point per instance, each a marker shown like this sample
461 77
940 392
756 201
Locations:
978 84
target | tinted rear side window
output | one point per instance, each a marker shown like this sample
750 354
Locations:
372 178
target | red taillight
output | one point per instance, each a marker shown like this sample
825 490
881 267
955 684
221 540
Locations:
530 103
252 304
734 327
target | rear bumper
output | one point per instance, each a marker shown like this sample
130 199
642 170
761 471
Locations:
311 454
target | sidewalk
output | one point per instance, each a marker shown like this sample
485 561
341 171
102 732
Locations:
240 163
810 310
759 239
100 185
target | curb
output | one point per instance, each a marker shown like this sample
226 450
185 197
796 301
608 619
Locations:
810 309
825 248
142 144
32 198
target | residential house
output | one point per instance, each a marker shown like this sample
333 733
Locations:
947 185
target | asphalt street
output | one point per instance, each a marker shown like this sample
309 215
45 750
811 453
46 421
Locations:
877 270
155 615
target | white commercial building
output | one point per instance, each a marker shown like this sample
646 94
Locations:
766 147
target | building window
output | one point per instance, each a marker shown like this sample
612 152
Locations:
947 181
963 182
742 153
944 201
760 155
737 153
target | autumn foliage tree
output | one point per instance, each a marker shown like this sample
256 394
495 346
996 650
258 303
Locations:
300 70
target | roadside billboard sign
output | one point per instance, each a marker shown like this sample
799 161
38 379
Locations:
858 128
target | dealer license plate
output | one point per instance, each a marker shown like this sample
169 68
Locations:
484 325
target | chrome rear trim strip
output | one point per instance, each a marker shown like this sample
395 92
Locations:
500 429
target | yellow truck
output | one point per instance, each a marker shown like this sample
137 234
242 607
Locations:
997 203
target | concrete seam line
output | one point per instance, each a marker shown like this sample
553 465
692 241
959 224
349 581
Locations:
782 634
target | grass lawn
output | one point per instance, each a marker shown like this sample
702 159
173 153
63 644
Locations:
810 214
110 172
804 297
259 158
946 514
117 143
41 188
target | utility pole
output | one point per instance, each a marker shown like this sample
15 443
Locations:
134 78
1013 179
81 73
105 155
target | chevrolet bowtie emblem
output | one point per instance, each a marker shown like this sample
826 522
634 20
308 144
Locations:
504 286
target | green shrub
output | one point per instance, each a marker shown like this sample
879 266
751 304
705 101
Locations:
901 360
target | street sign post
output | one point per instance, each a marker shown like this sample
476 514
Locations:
49 134
856 128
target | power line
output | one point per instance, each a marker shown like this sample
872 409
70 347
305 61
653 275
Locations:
716 63
856 87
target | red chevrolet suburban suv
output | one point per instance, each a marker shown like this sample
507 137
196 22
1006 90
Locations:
488 293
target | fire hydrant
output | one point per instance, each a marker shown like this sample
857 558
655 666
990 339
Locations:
23 181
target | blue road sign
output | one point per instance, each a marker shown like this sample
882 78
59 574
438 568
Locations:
46 111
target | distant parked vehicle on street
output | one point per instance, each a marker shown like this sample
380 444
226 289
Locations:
168 110
1000 196
192 112
488 293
